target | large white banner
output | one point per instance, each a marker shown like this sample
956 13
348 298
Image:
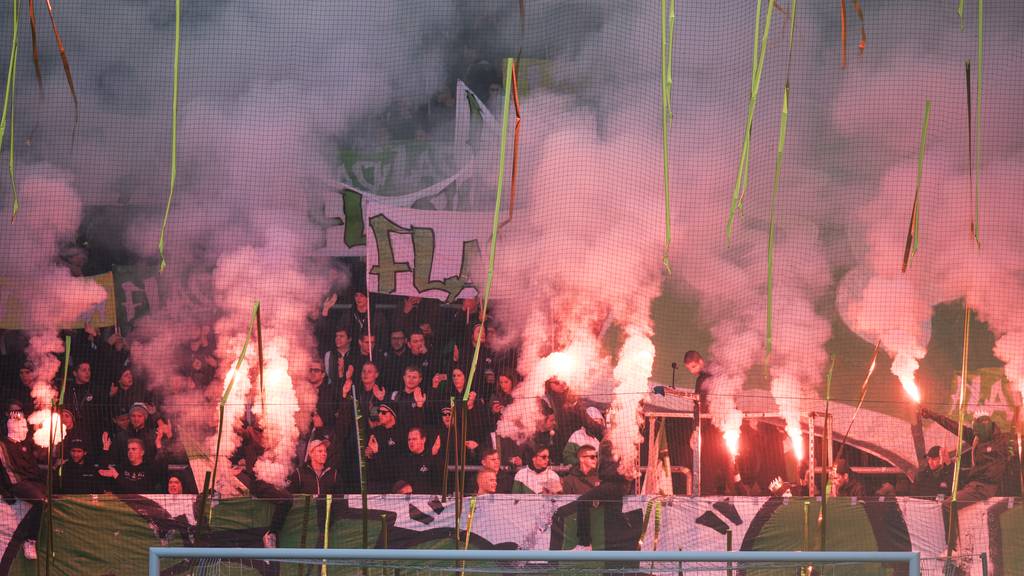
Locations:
428 253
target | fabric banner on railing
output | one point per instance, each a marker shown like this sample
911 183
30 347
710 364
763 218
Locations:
111 535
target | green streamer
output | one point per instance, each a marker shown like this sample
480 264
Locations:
9 104
668 22
772 218
977 134
64 376
327 532
783 123
174 130
743 175
960 13
826 470
360 447
494 228
913 234
959 428
224 399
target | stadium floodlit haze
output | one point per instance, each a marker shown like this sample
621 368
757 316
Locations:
412 246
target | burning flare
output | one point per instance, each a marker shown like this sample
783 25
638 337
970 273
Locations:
45 420
732 441
797 438
904 367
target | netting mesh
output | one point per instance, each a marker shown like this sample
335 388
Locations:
339 173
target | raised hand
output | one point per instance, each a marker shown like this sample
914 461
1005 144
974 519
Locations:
106 442
437 446
419 397
329 303
372 447
379 392
472 398
438 378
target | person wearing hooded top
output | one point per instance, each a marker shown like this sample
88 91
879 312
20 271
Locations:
567 410
990 454
935 477
78 475
582 477
85 402
474 417
125 392
501 399
23 479
590 434
537 477
139 427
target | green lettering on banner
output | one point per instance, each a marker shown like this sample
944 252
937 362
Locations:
422 269
353 206
423 250
386 268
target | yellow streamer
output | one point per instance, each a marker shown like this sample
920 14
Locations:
174 131
327 534
9 104
494 229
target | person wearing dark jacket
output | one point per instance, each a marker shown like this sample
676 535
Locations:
23 479
990 453
582 477
136 475
78 475
317 479
422 466
314 477
935 478
845 484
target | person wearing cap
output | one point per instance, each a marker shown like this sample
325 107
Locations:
537 477
314 476
590 434
78 475
139 428
846 484
990 453
935 477
383 445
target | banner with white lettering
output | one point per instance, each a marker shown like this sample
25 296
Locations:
428 253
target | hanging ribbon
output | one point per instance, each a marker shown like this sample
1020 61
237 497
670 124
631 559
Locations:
8 111
842 33
977 134
863 395
327 533
228 385
863 35
469 521
913 235
826 469
174 131
360 448
780 147
494 231
668 24
742 177
515 146
959 429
